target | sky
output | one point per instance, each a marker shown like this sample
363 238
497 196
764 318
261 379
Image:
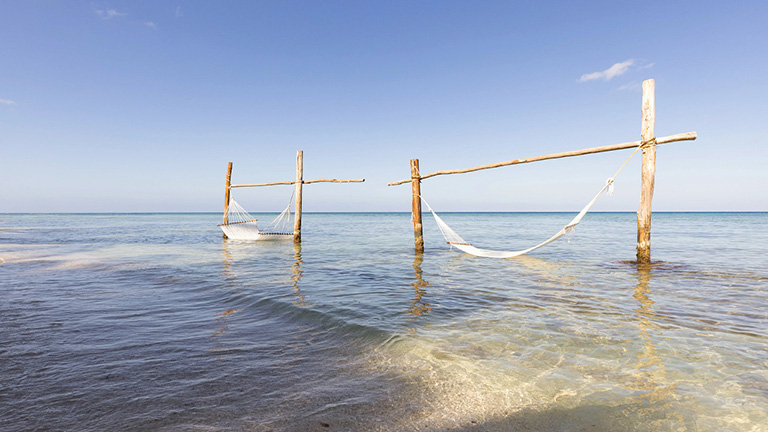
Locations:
137 106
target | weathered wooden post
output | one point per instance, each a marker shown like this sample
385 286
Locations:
226 195
418 235
299 184
648 173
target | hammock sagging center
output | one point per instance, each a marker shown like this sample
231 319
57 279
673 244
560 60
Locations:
241 225
456 241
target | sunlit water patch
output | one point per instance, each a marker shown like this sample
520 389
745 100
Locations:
154 322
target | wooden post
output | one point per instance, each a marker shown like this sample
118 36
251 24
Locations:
299 184
418 235
648 174
226 195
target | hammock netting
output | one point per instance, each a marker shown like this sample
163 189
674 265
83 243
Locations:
456 241
241 225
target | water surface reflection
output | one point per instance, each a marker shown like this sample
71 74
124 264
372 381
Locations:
418 306
297 269
653 398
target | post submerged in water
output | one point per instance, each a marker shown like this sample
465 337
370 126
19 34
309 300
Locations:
648 175
299 184
226 195
418 235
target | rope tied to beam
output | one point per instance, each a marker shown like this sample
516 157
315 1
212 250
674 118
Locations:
417 176
648 143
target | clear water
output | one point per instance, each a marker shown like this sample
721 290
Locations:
154 322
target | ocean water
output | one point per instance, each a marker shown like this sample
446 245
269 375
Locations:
142 322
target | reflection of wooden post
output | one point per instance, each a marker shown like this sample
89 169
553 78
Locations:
648 174
226 195
418 305
418 235
299 184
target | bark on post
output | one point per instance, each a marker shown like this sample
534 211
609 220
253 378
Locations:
418 235
226 195
648 174
299 184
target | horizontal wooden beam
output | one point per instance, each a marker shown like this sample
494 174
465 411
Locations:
304 182
262 184
334 181
663 140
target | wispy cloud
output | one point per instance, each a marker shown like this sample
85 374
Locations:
7 102
108 13
150 24
178 11
606 75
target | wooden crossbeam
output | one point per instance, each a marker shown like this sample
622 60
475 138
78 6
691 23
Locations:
663 140
262 184
304 182
334 181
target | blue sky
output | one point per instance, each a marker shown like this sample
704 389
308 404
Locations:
137 106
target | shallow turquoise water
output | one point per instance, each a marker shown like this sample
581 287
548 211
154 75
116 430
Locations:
154 322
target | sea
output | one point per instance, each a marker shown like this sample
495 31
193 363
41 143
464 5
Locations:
154 322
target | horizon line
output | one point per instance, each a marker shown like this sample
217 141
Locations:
374 212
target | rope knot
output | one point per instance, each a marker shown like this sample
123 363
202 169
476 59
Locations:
416 175
570 229
609 183
647 143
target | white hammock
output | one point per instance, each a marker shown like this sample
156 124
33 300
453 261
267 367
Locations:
456 241
241 225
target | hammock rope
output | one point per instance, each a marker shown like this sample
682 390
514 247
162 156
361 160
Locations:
239 224
455 240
